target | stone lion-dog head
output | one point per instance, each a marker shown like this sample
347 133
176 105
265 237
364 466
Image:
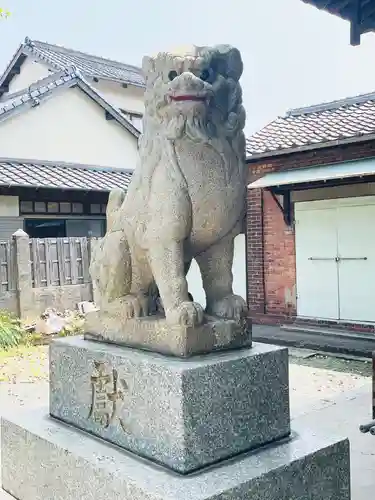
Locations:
195 92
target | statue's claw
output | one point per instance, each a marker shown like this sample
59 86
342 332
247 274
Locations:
230 307
135 306
187 314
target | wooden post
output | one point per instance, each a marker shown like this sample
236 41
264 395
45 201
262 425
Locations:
25 296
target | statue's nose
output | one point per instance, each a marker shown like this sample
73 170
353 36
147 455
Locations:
189 81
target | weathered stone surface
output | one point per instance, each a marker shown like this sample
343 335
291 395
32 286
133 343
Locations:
23 275
186 199
155 334
45 460
182 413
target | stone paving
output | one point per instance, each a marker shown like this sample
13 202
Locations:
335 402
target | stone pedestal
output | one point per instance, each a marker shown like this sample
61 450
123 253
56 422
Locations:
184 414
203 427
43 459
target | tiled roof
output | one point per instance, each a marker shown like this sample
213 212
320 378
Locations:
59 58
32 173
35 92
343 121
42 89
89 65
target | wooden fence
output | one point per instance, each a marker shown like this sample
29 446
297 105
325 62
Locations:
40 273
7 266
59 261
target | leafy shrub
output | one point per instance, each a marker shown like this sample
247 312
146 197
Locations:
74 326
11 331
32 338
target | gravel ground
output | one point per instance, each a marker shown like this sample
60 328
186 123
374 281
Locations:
24 365
312 387
24 379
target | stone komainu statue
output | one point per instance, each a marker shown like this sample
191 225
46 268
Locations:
186 199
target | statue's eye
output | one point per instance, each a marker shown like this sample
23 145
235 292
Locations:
205 75
172 75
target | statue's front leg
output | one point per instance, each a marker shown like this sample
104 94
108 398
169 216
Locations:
167 264
216 268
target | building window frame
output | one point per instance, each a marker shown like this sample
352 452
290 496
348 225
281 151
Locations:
62 208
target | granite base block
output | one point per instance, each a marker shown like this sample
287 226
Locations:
182 413
45 460
154 333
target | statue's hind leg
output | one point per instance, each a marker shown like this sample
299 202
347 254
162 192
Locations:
137 302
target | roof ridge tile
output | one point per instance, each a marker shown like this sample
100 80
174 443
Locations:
92 65
62 48
332 105
58 58
67 77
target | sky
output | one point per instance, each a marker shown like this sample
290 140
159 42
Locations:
294 55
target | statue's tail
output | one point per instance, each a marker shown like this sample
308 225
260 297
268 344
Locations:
115 200
110 266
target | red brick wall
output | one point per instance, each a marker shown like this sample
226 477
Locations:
271 248
254 220
279 260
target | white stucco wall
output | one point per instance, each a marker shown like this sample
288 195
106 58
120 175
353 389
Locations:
31 71
129 99
68 127
9 206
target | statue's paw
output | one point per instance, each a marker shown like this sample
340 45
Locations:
135 306
230 307
187 314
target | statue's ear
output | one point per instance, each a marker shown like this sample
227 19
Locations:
148 66
232 60
234 64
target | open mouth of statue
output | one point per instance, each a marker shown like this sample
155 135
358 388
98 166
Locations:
187 97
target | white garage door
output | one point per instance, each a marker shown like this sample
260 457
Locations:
316 250
335 259
239 273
